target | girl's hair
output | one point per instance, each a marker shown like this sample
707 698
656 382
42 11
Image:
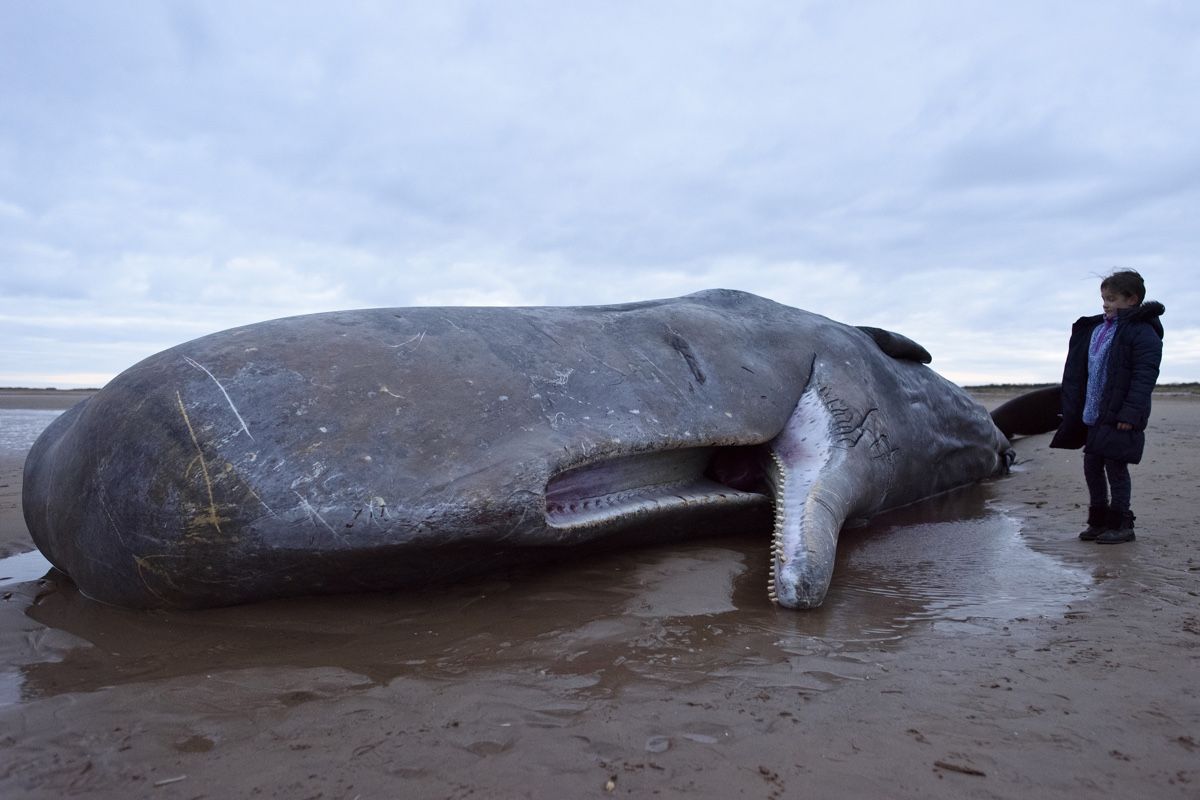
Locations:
1127 282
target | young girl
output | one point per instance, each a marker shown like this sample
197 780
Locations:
1111 369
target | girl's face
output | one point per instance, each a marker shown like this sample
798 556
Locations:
1114 302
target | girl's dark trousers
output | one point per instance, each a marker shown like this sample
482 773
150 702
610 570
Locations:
1095 470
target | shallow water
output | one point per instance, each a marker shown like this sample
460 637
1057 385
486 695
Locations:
23 567
666 616
628 622
20 427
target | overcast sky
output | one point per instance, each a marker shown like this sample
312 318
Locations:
959 172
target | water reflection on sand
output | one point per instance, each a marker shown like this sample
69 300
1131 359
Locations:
20 427
677 615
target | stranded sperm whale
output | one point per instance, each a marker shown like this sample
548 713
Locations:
387 448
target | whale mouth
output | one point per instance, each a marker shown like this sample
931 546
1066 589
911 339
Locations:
801 473
830 461
639 487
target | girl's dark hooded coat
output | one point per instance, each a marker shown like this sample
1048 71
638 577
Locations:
1132 371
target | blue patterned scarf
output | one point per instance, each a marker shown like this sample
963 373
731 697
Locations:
1102 339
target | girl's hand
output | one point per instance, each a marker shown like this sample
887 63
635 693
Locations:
1124 426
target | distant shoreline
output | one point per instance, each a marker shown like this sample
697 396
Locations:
62 399
42 399
1171 389
43 390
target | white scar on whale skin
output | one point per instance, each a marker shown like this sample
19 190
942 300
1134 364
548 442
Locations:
232 407
418 338
313 513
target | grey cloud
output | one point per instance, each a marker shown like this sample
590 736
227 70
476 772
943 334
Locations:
224 160
1025 158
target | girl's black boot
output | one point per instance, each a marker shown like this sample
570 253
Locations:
1097 523
1120 528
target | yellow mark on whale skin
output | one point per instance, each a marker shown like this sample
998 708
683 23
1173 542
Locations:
217 475
143 566
211 518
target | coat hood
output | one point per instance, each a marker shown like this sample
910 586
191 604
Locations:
1148 312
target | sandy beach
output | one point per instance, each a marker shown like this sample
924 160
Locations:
971 647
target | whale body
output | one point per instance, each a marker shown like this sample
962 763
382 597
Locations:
390 448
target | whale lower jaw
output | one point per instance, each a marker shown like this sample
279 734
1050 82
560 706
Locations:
819 476
804 539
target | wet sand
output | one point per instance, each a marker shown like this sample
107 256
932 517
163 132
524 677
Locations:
971 646
39 399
